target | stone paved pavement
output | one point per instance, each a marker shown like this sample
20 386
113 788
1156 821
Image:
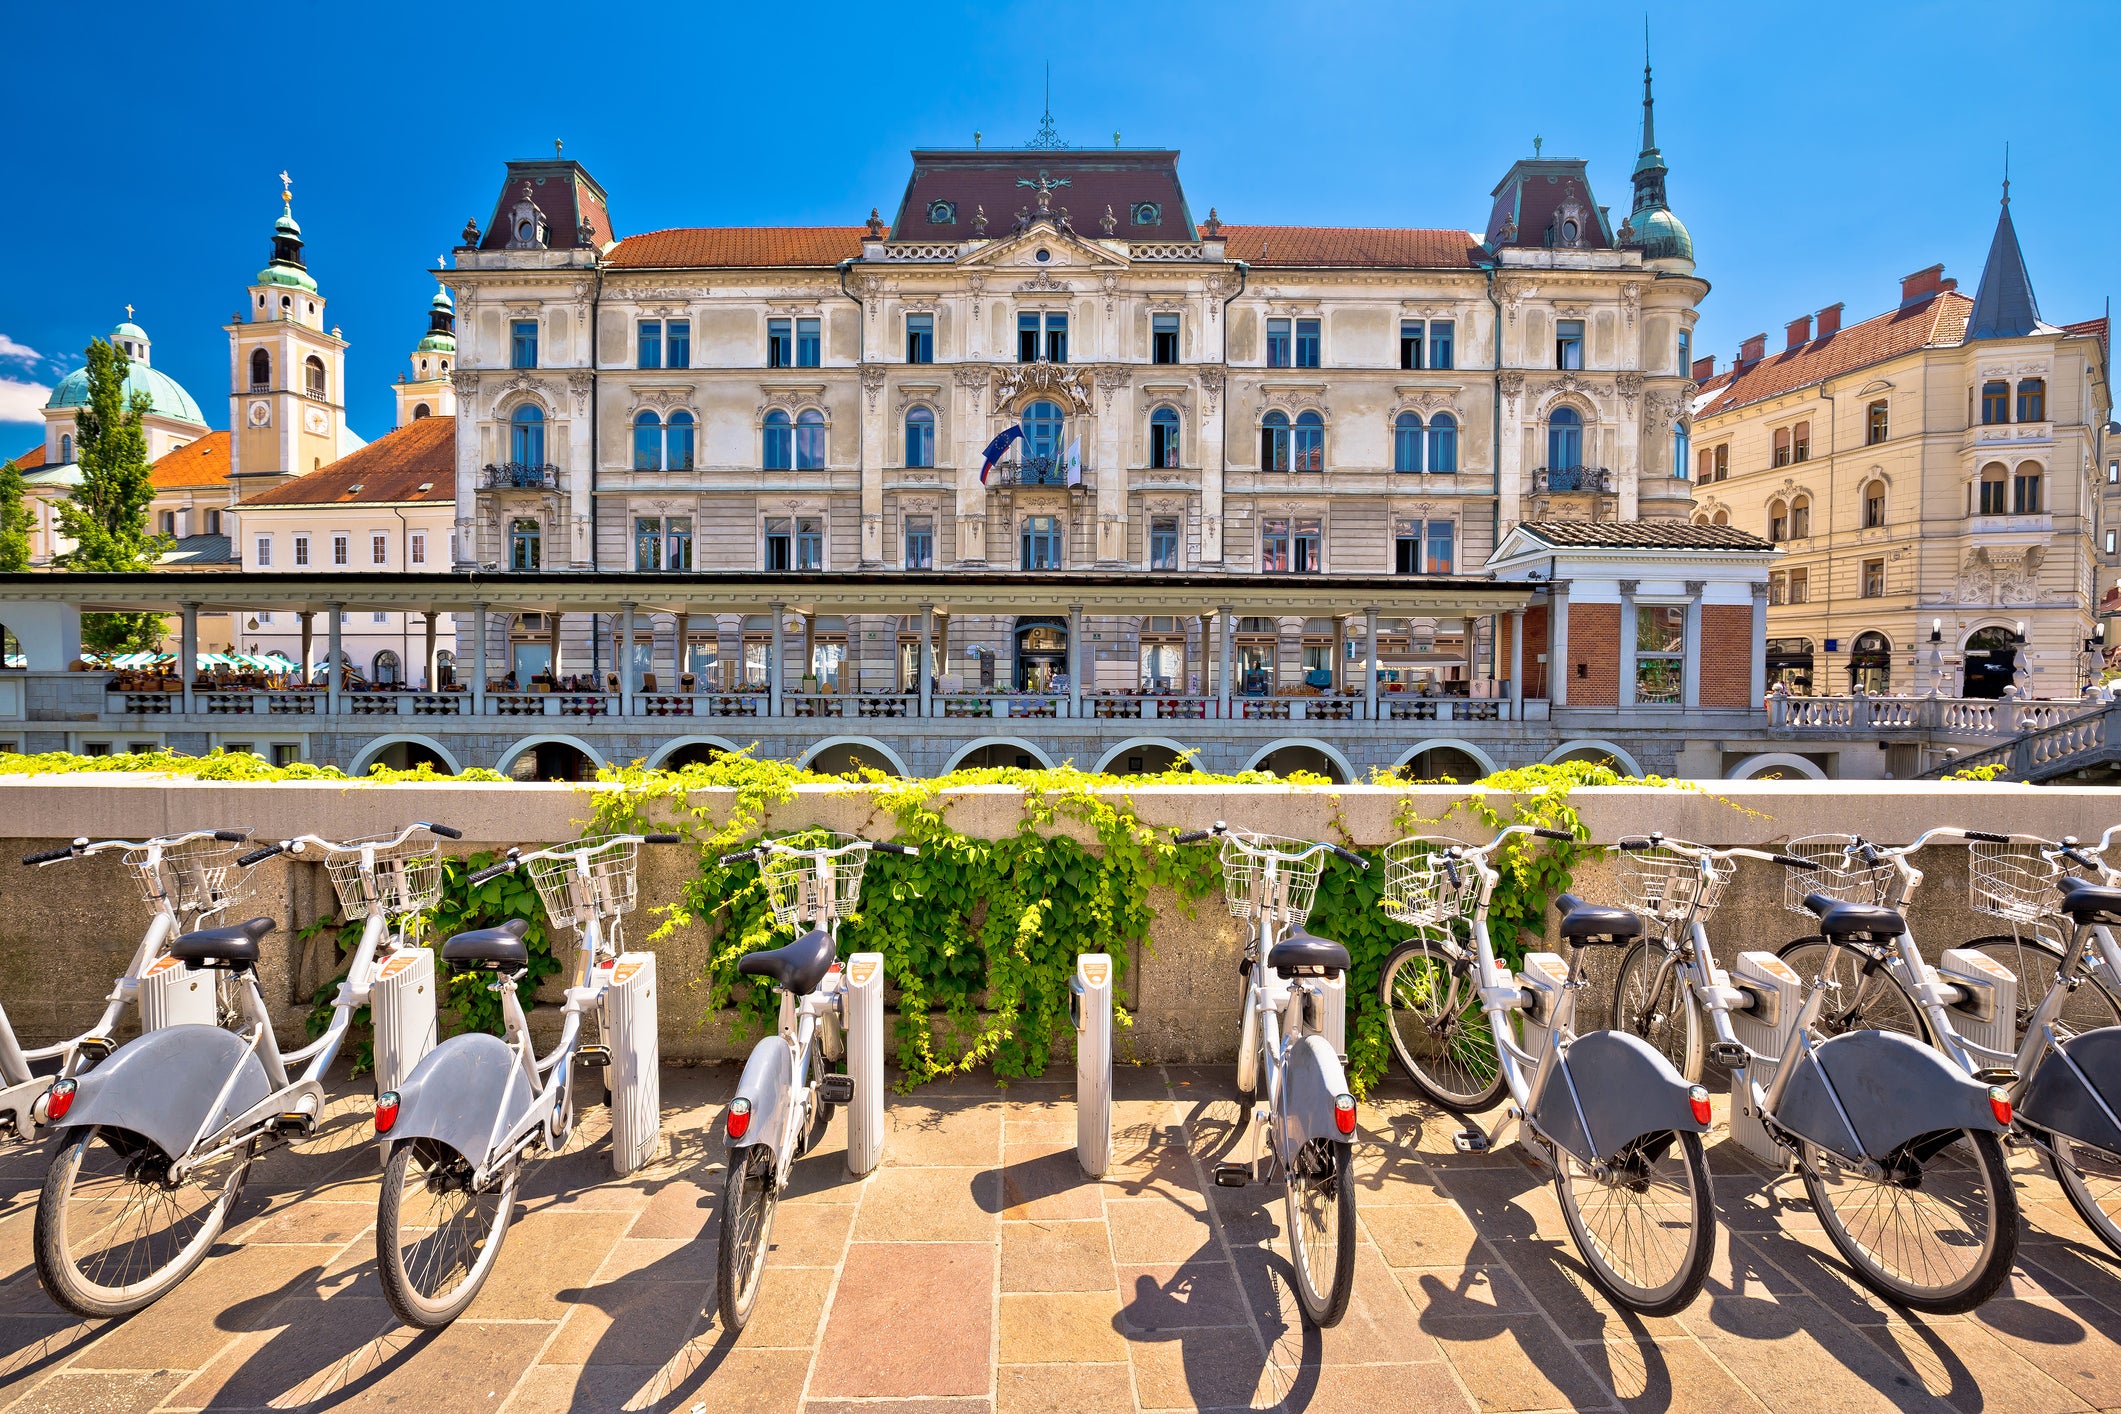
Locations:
976 1272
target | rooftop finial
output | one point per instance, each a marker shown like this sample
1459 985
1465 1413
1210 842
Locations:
557 146
1649 119
287 192
128 314
1537 143
2006 174
1048 135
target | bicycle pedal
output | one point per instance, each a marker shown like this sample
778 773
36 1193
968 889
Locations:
294 1124
1232 1175
1728 1054
593 1057
836 1089
1470 1141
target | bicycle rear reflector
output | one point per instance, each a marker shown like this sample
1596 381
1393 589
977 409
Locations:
59 1099
739 1118
1999 1103
1344 1113
1698 1097
386 1111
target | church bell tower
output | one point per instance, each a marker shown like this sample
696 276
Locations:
287 373
428 391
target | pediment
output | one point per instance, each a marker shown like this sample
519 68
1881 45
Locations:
1065 250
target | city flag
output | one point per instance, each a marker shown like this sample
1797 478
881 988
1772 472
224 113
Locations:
995 449
1074 476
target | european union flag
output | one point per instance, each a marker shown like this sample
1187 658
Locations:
995 449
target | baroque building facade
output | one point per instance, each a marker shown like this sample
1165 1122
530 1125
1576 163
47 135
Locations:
1933 475
1164 393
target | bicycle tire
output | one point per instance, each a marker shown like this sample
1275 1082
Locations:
410 1280
1650 1293
2097 1197
127 1176
1451 1059
1247 1034
2034 960
1321 1181
1915 1202
749 1199
1658 1009
1863 994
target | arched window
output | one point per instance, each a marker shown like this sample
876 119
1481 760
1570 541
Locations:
920 437
1800 517
419 410
647 442
1274 442
1995 401
780 442
1871 662
1308 452
1564 440
66 447
260 369
1993 491
1443 442
1163 438
2032 400
1406 442
677 444
384 670
1042 430
1874 505
313 376
526 435
809 440
2025 489
1778 522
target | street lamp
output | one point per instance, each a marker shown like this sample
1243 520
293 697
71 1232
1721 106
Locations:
2095 651
2021 661
1936 657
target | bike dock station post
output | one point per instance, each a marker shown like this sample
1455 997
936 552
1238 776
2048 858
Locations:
1090 1005
863 1000
635 1072
401 1002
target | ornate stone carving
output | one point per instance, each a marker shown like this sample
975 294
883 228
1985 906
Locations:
1211 385
872 382
1630 385
1043 281
1512 389
1997 578
1111 379
467 383
1059 380
1630 302
661 398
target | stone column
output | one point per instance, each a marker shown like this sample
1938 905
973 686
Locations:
188 654
478 663
308 646
582 530
334 678
552 632
777 670
1369 672
628 681
1517 665
1225 623
1627 642
927 660
1758 654
1209 440
1690 666
428 666
1112 458
1558 667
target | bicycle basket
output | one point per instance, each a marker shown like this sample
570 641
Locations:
197 877
1247 887
1836 873
1670 887
408 878
1418 889
2013 881
796 892
603 886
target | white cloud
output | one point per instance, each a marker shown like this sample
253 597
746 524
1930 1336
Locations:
22 402
16 352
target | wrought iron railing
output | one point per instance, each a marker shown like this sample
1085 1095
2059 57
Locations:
519 476
1571 478
1033 471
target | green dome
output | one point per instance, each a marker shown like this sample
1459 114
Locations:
441 303
1660 235
166 396
287 225
128 330
289 275
436 343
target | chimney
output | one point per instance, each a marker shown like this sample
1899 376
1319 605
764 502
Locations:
1830 321
1797 333
1752 351
1704 368
1949 282
1922 285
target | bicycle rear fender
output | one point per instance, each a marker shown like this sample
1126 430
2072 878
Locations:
1626 1089
1892 1088
2058 1100
1310 1081
163 1085
463 1093
765 1081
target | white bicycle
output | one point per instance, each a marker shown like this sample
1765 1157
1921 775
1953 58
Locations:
829 1015
159 1138
459 1130
189 877
1292 991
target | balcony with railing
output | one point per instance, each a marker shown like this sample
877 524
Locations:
519 476
1554 479
1038 471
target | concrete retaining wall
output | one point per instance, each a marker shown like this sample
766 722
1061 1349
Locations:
66 930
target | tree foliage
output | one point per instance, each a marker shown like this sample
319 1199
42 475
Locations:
106 514
15 521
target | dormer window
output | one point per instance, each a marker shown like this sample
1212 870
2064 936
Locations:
1148 213
942 213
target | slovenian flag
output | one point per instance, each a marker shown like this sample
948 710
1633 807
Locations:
995 449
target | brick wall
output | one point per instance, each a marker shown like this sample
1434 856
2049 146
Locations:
1727 655
1594 639
1535 643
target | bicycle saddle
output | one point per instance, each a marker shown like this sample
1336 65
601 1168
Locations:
1301 951
2087 902
1846 920
234 947
501 949
1583 923
796 969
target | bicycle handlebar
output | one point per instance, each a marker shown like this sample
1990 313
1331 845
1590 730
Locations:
729 860
765 847
81 846
910 851
46 856
259 855
1193 837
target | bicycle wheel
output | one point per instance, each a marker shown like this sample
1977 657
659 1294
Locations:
436 1238
748 1200
1247 1034
2092 1179
2034 961
115 1231
1863 994
1647 1227
1651 1000
1936 1232
1440 1036
1321 1207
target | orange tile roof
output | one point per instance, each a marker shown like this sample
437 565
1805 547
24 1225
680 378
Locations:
201 463
31 459
1937 323
392 470
1340 247
737 247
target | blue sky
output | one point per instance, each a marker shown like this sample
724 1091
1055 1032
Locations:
1817 155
